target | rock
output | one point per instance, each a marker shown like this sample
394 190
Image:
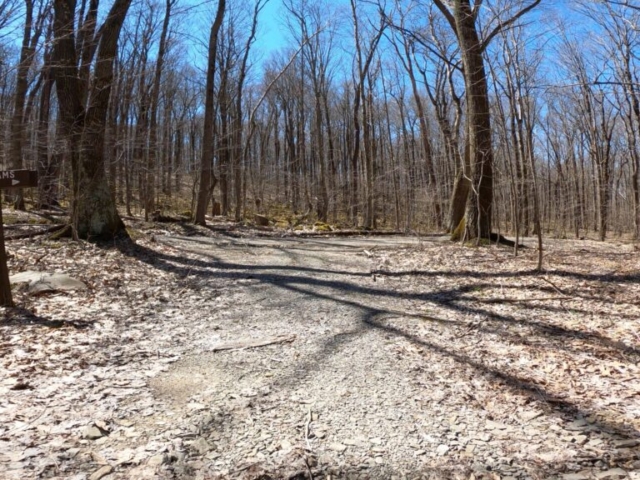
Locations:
157 460
547 457
124 457
338 447
442 449
201 446
354 442
580 439
91 432
614 473
630 443
285 445
528 416
102 472
41 282
583 475
577 425
496 426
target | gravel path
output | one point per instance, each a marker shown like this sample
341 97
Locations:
323 292
398 358
382 380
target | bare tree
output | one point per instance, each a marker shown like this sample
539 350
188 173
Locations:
462 16
207 179
93 210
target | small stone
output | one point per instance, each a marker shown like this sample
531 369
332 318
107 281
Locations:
419 453
614 473
528 416
91 432
157 460
338 447
580 439
285 445
376 441
577 425
379 460
496 426
201 446
442 449
630 443
102 472
378 449
547 457
583 475
352 442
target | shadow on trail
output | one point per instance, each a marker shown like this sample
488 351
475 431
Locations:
453 299
307 282
17 317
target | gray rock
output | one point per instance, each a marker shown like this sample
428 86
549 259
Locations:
41 282
157 460
630 443
91 432
613 473
102 472
583 475
201 446
442 449
338 447
577 425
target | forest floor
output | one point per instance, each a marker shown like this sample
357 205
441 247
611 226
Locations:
397 357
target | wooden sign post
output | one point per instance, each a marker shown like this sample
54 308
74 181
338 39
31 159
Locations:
11 179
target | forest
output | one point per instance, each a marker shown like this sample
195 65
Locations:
237 262
459 116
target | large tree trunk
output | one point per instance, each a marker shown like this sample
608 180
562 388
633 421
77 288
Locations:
206 162
94 214
479 203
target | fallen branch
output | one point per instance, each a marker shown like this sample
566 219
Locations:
252 343
21 236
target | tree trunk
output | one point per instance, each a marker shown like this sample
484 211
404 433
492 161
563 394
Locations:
479 203
93 213
206 161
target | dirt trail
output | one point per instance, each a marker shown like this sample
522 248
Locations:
382 379
339 369
411 358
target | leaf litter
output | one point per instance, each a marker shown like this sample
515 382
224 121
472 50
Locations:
429 360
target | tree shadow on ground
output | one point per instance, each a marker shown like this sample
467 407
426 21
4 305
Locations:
18 317
308 283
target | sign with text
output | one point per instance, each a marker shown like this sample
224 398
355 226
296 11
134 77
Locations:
18 178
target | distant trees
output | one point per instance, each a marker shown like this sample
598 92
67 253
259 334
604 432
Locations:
431 115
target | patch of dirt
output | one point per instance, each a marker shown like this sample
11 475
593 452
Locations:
412 358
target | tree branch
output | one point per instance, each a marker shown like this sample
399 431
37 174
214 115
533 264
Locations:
502 25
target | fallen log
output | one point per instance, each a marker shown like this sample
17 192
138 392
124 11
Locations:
20 236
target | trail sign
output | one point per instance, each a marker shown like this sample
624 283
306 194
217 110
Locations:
11 179
18 178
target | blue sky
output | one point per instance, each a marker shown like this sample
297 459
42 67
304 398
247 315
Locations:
272 35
